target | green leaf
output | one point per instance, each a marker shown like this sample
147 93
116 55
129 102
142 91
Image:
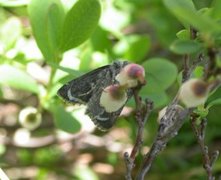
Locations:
164 25
133 47
9 3
201 111
64 120
183 34
17 78
160 74
185 11
216 6
185 46
199 72
214 95
47 21
213 103
73 72
86 173
10 32
160 98
79 23
113 19
100 40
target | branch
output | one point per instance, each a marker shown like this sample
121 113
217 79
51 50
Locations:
211 69
169 126
143 110
199 131
186 72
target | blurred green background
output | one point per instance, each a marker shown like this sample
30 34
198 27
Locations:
44 44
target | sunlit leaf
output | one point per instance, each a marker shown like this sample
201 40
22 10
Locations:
199 71
47 21
183 34
185 46
85 173
216 6
114 20
17 78
159 98
134 47
160 74
185 11
17 3
80 22
10 32
64 120
100 40
65 69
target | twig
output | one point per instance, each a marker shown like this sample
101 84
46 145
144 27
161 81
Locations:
211 69
186 68
141 119
129 165
143 110
170 124
193 33
199 132
186 61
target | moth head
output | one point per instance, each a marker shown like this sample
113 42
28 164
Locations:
131 76
113 98
193 92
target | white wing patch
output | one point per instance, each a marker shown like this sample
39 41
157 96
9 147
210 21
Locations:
70 97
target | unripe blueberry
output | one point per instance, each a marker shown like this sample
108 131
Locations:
113 98
131 76
193 92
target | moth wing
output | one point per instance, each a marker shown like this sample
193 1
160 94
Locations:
80 89
102 119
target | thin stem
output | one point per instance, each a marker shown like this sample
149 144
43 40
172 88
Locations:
199 133
186 68
170 124
157 146
143 110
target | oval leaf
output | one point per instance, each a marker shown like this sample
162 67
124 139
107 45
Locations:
185 46
133 47
216 6
185 11
47 21
214 95
183 34
160 74
213 103
80 22
10 32
17 79
160 99
64 120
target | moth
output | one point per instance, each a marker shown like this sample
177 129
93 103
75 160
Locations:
104 91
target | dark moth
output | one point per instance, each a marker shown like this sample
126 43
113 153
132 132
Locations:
87 90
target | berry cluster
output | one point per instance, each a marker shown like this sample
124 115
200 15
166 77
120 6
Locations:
114 96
